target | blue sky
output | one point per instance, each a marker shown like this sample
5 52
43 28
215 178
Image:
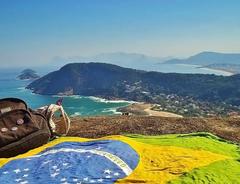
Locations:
34 32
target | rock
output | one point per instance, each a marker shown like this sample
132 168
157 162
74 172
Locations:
28 74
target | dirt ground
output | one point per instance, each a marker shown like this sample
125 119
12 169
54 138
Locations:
94 127
146 109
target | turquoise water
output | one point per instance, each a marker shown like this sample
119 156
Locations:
77 105
74 105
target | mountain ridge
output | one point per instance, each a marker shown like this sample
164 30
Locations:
124 59
208 58
112 81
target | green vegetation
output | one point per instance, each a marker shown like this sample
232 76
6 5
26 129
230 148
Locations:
195 94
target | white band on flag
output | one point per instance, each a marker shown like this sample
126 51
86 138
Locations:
113 158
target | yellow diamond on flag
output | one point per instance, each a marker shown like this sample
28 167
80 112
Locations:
113 159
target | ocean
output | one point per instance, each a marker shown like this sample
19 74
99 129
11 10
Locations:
76 105
185 68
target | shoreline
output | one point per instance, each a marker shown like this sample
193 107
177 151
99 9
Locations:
145 109
96 98
226 72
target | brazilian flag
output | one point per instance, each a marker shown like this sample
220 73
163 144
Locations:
189 158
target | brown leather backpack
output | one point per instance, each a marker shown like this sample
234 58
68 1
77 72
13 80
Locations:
21 128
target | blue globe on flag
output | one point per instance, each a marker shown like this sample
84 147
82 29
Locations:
101 161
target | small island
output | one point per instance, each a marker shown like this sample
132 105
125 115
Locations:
28 74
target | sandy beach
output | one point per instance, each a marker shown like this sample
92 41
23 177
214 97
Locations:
226 72
146 109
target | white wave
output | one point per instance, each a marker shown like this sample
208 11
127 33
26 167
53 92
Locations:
22 89
102 100
96 99
68 96
72 107
112 110
76 114
76 96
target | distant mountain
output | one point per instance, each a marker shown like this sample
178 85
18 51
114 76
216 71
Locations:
111 81
130 60
28 74
208 58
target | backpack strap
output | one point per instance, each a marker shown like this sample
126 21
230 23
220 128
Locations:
59 126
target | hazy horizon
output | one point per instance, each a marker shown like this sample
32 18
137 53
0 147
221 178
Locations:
34 33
